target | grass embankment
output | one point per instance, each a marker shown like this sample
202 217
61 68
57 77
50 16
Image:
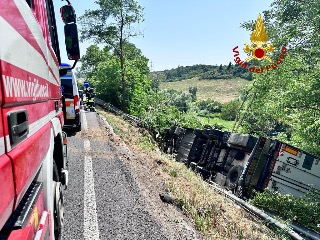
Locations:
223 90
214 215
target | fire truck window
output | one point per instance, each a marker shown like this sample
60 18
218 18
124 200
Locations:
30 3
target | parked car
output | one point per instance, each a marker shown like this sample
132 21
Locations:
72 104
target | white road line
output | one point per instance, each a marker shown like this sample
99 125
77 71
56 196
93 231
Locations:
91 227
84 120
86 145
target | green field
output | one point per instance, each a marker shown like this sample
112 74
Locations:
222 91
228 125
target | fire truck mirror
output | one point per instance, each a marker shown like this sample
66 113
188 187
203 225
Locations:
67 14
72 41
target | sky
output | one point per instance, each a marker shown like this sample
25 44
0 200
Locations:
184 32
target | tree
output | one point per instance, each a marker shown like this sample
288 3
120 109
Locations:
113 25
289 95
105 80
229 110
90 61
107 71
229 66
193 92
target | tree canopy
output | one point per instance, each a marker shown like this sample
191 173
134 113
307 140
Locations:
112 25
286 101
203 72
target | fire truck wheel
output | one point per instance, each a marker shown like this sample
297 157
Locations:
233 176
57 203
78 128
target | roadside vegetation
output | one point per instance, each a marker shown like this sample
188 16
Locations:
213 215
304 210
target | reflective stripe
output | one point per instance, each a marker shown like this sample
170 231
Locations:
2 146
34 28
11 39
43 226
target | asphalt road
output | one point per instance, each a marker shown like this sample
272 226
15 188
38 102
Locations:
102 200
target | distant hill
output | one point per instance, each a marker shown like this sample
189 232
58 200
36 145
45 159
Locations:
202 72
219 90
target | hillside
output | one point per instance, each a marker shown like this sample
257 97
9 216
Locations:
219 90
202 72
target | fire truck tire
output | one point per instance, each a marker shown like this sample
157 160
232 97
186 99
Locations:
233 176
78 128
56 177
58 203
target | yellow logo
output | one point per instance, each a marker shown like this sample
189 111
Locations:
34 220
258 50
259 38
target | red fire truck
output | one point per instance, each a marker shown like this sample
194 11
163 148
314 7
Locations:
33 147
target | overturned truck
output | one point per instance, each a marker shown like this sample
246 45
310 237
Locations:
244 163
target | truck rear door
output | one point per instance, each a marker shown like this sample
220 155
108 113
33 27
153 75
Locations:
295 172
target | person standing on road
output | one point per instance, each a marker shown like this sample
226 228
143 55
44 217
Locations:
90 99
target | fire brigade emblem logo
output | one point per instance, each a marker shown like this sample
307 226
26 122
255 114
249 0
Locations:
259 49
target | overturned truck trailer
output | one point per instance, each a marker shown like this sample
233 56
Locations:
281 167
244 163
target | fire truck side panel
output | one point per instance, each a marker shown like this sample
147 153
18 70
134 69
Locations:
45 177
25 80
6 179
29 84
38 115
24 233
27 159
6 189
61 118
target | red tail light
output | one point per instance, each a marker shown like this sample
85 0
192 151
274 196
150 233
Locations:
262 142
75 101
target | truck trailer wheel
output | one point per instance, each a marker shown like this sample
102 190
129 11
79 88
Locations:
233 176
58 204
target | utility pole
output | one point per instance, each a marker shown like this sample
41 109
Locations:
151 66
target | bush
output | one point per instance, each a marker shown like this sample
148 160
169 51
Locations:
230 110
304 210
209 105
